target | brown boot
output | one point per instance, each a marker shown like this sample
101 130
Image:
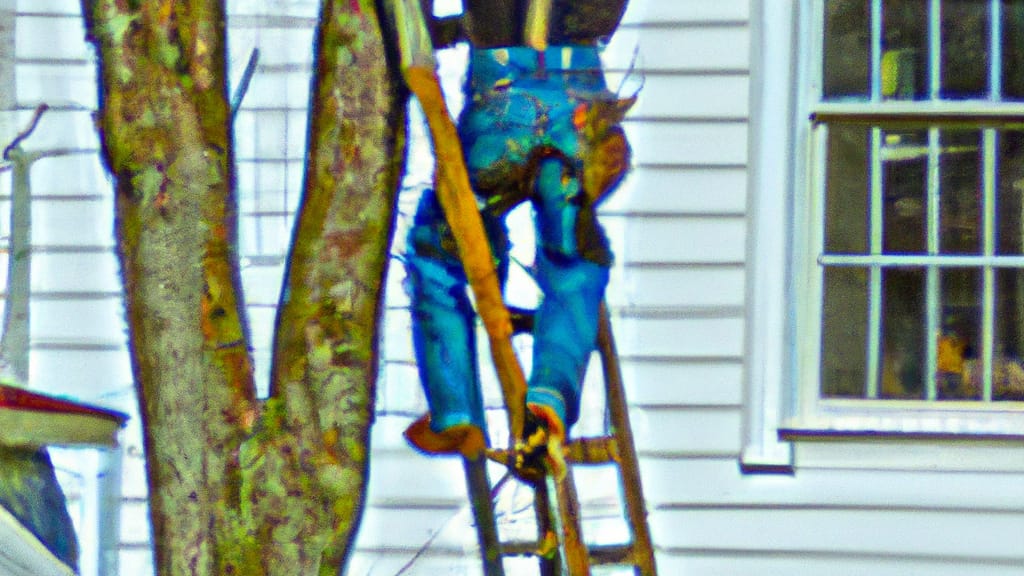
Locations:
465 439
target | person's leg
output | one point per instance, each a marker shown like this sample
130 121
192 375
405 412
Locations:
442 329
565 330
443 323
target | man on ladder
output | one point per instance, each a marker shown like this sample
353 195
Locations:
538 120
539 125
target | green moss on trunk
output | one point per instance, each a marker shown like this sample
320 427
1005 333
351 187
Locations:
236 490
167 142
325 351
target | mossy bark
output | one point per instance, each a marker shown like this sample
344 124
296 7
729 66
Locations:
325 351
165 131
235 489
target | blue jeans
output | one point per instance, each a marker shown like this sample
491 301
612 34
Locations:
522 140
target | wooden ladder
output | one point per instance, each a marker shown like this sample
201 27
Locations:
560 547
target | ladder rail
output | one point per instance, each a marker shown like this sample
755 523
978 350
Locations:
556 504
628 462
479 488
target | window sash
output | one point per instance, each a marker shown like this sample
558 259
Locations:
815 414
934 44
911 114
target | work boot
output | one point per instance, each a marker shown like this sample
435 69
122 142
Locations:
540 451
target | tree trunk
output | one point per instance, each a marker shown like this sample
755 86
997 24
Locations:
235 490
325 351
165 130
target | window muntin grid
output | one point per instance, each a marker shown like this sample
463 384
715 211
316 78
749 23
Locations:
922 49
918 142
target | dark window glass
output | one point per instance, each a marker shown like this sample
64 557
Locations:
847 190
844 333
847 54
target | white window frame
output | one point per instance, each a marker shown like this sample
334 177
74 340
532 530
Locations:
784 243
771 170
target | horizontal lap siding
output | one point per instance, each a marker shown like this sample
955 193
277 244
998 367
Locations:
78 339
963 535
270 138
683 143
719 483
690 12
709 518
776 563
679 229
680 190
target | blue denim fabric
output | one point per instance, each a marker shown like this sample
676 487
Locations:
442 316
520 140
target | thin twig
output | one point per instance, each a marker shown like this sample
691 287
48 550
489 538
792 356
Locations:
25 133
629 73
243 84
426 545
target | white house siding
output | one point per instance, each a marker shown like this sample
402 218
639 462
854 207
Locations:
678 226
884 507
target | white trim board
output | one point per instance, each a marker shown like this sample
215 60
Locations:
769 204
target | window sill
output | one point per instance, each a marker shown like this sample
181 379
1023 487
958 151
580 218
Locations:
905 452
902 418
953 439
792 433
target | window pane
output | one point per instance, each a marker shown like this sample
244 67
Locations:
847 190
1013 49
960 192
844 333
904 49
903 333
1008 372
958 346
847 58
905 185
964 60
1010 206
966 25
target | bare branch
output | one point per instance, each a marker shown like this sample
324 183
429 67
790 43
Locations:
27 131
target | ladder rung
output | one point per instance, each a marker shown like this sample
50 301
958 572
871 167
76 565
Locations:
562 550
521 548
612 554
595 450
605 555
